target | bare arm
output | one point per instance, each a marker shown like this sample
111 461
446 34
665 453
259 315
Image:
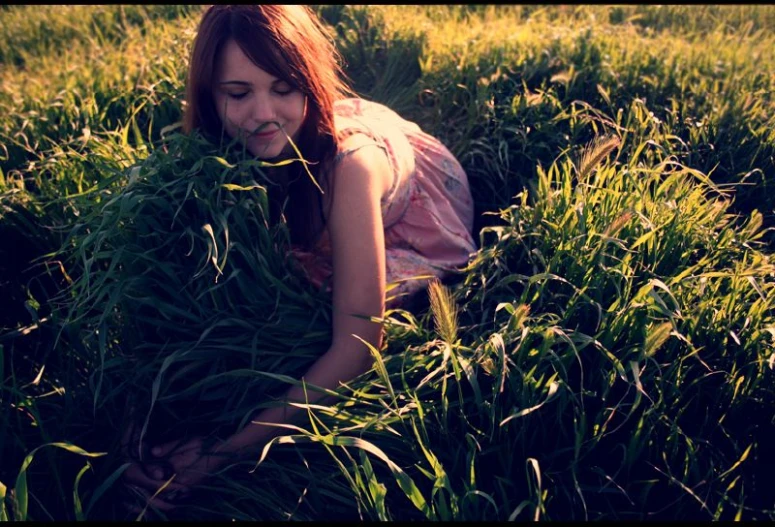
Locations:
358 248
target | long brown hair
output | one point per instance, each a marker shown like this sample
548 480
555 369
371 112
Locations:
290 43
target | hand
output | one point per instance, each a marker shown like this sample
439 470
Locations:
139 478
179 466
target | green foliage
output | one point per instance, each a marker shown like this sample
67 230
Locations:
182 279
29 32
607 353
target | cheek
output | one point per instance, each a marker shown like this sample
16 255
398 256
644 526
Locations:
230 115
227 112
297 109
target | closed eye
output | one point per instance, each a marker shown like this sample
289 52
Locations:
236 95
283 89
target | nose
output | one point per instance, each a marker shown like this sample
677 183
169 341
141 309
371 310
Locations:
262 111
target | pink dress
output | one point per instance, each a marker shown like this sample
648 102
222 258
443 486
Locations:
427 214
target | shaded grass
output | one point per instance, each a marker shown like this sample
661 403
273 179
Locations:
614 332
582 363
572 345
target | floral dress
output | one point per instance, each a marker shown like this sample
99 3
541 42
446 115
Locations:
427 214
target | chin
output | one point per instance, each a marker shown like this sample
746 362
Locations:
274 153
265 152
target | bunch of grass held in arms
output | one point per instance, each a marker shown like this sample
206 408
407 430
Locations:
186 303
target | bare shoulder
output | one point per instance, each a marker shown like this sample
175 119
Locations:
364 166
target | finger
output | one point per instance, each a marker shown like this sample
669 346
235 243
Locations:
166 449
136 476
159 471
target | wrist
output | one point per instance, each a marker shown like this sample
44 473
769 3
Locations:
244 444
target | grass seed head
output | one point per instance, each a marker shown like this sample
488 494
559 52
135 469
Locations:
444 311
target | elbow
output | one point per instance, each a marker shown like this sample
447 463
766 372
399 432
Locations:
364 355
357 351
367 354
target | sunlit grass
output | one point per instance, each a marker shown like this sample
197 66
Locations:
606 355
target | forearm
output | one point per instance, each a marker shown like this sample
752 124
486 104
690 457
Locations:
337 365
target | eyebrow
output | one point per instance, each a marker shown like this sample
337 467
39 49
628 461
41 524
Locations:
245 83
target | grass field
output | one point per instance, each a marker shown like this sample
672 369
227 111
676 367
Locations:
608 354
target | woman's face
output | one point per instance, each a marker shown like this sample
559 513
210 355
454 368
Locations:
254 106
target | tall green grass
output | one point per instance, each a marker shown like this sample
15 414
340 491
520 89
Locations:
30 32
606 355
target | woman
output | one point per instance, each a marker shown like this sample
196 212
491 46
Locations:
378 201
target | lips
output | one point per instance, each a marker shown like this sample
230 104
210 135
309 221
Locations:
265 129
264 135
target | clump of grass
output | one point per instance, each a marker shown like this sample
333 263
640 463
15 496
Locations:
183 259
605 356
183 281
622 267
591 380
